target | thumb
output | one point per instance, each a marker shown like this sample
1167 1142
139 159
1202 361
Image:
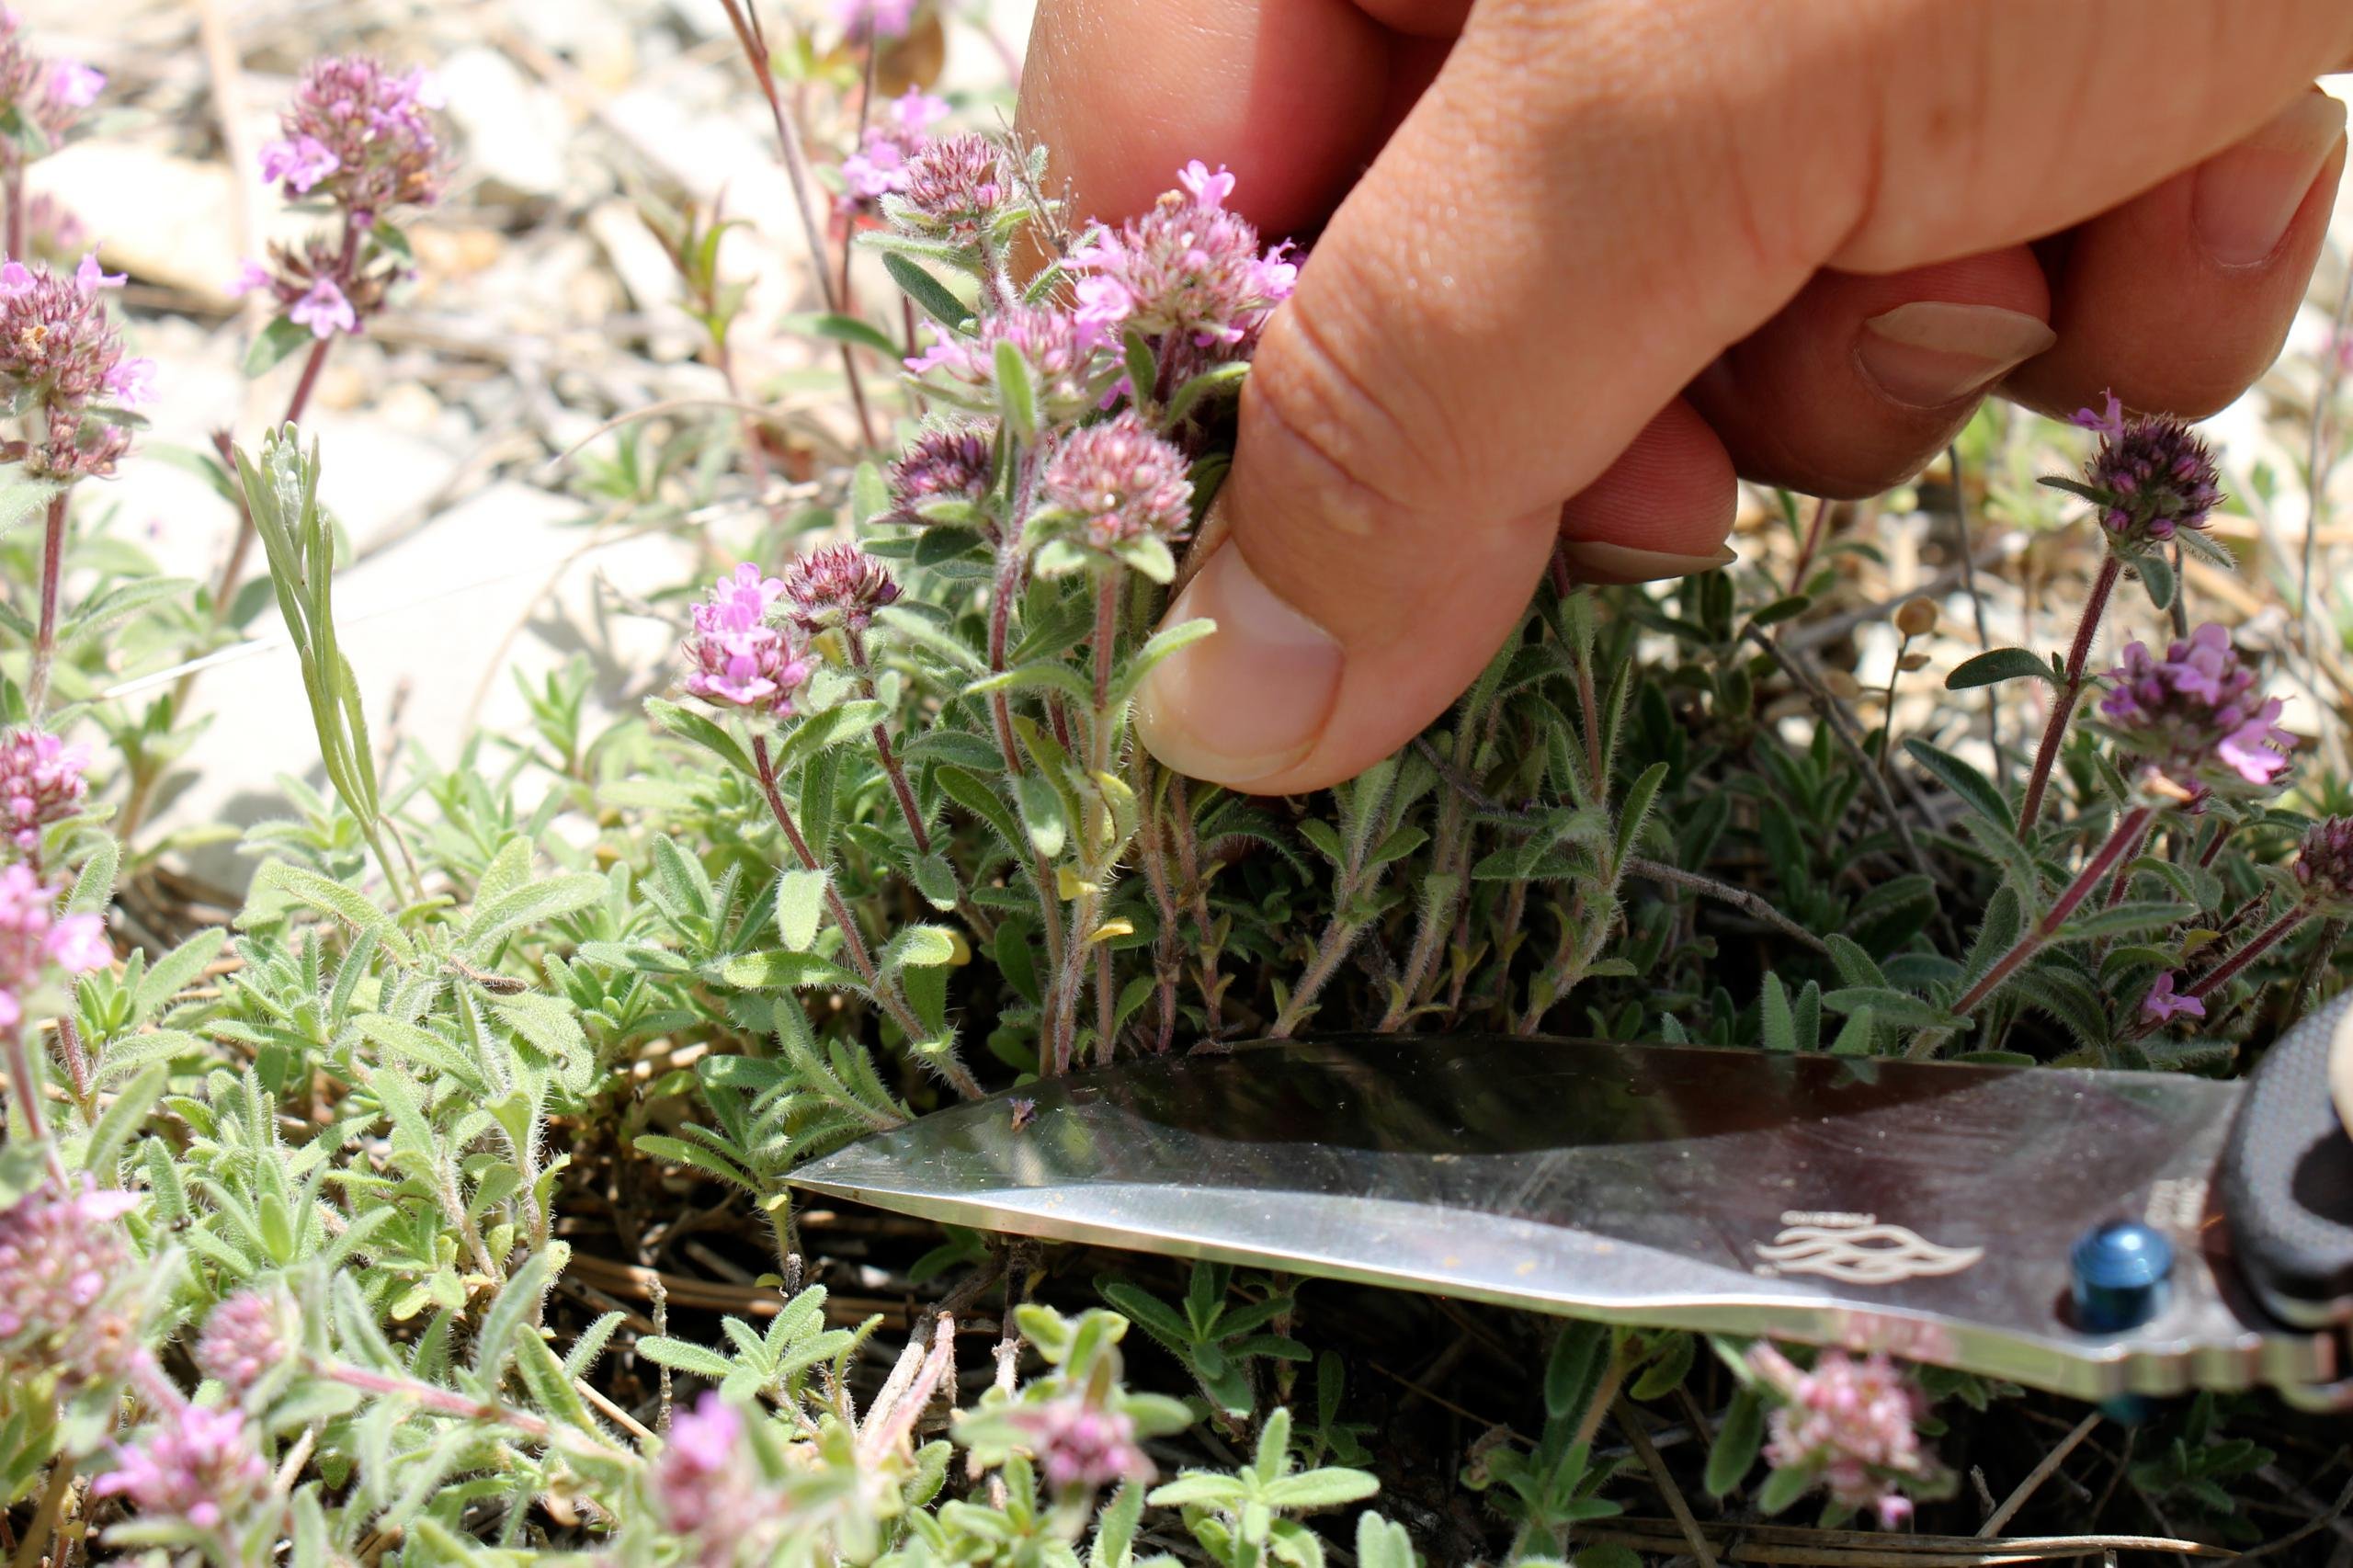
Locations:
1586 206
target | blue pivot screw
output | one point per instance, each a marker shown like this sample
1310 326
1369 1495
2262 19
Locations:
2120 1272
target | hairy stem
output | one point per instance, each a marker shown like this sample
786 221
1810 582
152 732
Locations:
25 1084
52 570
2129 831
893 768
2253 949
2063 707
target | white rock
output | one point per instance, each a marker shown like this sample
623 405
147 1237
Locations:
515 129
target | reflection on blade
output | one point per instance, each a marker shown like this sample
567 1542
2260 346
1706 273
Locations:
1922 1209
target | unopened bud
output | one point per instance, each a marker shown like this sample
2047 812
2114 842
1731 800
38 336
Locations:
1917 616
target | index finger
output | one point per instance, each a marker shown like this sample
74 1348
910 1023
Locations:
1293 96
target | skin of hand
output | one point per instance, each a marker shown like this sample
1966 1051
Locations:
1576 264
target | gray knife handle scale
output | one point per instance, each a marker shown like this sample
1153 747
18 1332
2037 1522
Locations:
2286 1178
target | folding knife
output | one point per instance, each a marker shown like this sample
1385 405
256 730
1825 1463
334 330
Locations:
2096 1233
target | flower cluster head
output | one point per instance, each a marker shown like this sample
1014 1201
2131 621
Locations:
878 168
245 1338
1853 1424
2324 864
947 463
2163 1003
2151 476
33 935
41 782
2195 715
704 1483
58 349
59 1250
360 135
837 585
1057 349
315 289
194 1466
1114 491
46 96
1080 1445
1187 268
953 188
872 19
737 657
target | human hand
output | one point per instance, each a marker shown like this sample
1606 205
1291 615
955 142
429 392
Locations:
1617 251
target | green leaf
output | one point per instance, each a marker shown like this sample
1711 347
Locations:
787 971
521 1293
1976 790
2127 919
918 947
1781 609
1782 1488
870 494
22 495
1160 644
281 337
683 1356
1042 675
1042 809
983 803
1225 380
840 328
800 907
1781 1029
1574 1368
931 296
820 731
933 878
1016 391
94 888
1891 1006
689 726
1997 664
2156 576
533 905
1737 1442
1325 1488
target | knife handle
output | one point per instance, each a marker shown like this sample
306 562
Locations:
2286 1177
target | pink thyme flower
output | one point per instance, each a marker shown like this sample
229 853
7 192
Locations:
195 1465
2324 864
1081 1447
2195 715
952 188
878 168
251 275
875 19
736 657
949 463
74 85
59 351
1057 349
361 134
2150 476
1852 1423
2163 1004
299 163
1113 484
33 936
41 782
705 1486
92 276
132 383
1188 266
57 1253
16 280
324 309
245 1338
837 585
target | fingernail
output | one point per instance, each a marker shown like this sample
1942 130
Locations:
1931 352
1249 701
1598 561
2244 196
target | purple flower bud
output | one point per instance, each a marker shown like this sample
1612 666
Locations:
878 168
245 1338
251 275
2324 864
736 657
953 186
838 586
955 462
2163 1004
194 1465
2151 473
875 19
41 782
1081 1447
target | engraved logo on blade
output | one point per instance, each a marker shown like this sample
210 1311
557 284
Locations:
1857 1249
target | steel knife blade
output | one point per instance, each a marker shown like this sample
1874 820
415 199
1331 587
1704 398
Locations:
1924 1208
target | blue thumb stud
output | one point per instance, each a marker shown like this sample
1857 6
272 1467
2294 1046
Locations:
2120 1271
